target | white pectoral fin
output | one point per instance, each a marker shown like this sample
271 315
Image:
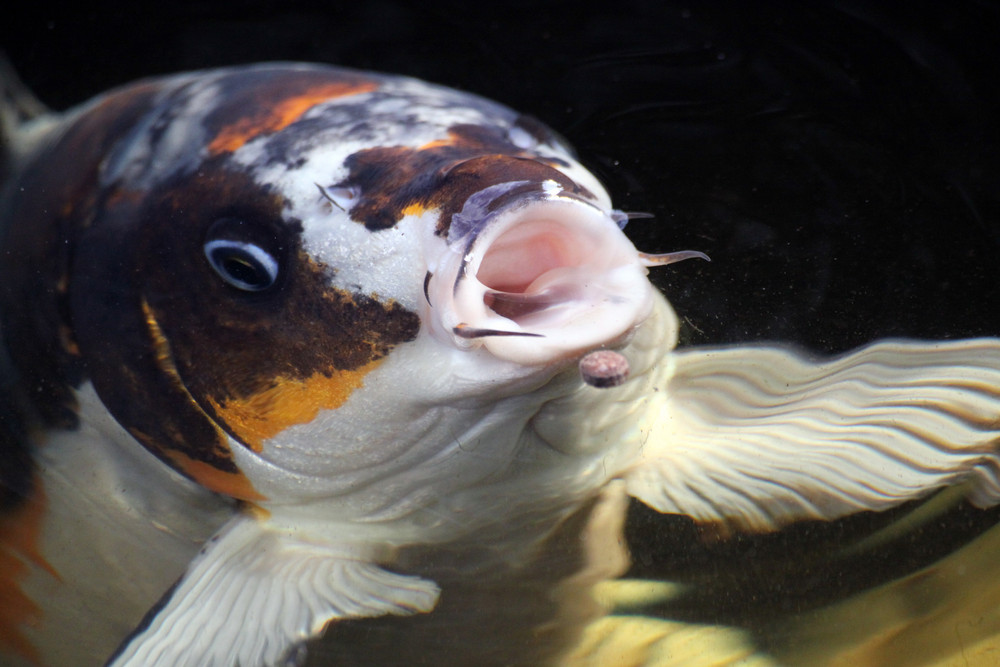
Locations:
760 436
254 595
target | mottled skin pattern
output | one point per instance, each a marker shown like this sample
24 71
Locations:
442 175
111 241
115 200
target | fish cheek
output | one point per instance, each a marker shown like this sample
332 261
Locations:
194 358
259 363
130 362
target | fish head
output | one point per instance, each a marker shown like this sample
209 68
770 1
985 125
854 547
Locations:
297 280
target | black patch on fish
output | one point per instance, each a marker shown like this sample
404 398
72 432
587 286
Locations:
222 343
536 129
124 353
443 175
39 360
56 195
108 281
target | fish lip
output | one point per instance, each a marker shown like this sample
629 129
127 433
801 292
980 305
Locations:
533 274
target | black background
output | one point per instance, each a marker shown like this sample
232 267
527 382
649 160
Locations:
837 160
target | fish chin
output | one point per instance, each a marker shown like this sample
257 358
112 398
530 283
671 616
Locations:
540 280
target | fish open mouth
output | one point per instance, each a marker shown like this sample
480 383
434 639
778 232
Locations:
542 278
538 265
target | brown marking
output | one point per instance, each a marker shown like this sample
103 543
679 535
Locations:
396 181
257 417
283 366
273 116
20 532
259 367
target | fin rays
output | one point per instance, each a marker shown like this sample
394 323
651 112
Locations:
253 583
759 436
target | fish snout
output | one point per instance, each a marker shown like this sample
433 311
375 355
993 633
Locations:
544 276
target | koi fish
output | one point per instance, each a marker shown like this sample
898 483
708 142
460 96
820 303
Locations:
268 331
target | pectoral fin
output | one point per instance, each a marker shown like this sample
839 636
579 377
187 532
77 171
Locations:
760 436
254 595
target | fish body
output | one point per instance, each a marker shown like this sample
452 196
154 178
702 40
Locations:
306 340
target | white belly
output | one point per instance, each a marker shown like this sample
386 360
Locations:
120 528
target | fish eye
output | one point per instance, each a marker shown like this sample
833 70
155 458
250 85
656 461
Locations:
243 265
244 252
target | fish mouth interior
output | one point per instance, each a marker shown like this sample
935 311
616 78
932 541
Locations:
544 280
530 267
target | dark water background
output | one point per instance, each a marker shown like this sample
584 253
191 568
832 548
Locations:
837 160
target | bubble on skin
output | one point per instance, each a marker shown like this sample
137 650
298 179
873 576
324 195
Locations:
604 368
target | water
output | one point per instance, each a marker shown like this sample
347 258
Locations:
839 164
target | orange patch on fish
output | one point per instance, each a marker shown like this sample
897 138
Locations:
282 114
19 536
414 209
256 511
255 418
234 485
437 143
164 357
213 478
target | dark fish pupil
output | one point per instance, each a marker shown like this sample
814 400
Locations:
246 269
241 269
